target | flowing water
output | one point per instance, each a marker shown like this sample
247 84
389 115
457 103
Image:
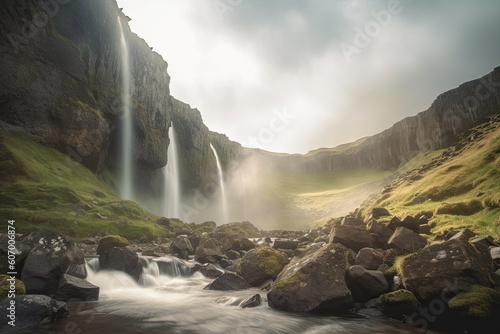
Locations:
222 187
126 187
172 186
168 299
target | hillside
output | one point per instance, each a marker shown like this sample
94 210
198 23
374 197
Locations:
460 188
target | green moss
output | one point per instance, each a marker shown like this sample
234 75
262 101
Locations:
289 282
111 241
271 261
5 286
400 296
476 302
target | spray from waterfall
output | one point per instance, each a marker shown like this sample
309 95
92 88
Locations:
126 183
221 184
172 186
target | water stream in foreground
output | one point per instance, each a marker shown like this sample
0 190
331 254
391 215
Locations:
167 300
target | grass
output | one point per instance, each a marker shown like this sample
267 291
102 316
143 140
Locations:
43 188
462 192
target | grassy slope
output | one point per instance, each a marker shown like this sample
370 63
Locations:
42 187
450 190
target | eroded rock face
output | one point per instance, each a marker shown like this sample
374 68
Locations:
49 255
447 268
313 282
353 237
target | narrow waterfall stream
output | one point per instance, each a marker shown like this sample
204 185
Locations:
225 214
172 188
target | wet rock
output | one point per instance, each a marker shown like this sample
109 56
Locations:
233 255
261 264
449 267
182 243
399 304
369 258
365 284
75 288
285 244
252 301
31 312
352 237
122 259
228 281
49 255
406 240
313 282
209 251
210 271
246 244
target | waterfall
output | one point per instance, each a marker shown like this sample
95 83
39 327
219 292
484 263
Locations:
172 185
221 184
127 125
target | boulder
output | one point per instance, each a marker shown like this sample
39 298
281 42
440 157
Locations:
399 304
464 234
406 240
209 251
210 271
369 258
233 255
285 244
424 229
448 268
110 241
352 221
182 243
77 270
379 212
228 281
122 259
50 255
261 264
8 283
395 223
495 255
365 284
252 301
352 237
411 223
246 244
75 288
313 282
379 233
31 312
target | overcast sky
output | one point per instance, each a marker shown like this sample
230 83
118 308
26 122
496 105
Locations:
292 76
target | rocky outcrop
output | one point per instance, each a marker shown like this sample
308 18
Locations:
228 281
438 127
261 264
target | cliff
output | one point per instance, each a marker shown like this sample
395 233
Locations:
61 83
438 127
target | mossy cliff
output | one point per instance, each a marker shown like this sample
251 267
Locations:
61 82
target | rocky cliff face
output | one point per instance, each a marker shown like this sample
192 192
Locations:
61 82
435 128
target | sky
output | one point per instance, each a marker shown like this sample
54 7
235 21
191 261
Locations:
292 76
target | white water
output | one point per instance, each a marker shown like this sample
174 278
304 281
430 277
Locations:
172 186
225 218
168 299
126 186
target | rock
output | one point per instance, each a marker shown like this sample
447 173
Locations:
369 258
50 255
395 223
399 304
379 212
261 264
464 234
406 240
246 244
352 221
122 259
411 223
485 242
9 283
268 240
228 281
224 263
181 243
313 282
233 255
424 229
253 301
184 231
285 244
110 241
31 312
77 270
379 233
209 251
60 309
352 237
365 284
495 254
210 271
74 288
423 220
449 267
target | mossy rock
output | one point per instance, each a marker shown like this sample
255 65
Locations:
399 304
5 286
476 302
261 264
271 261
109 242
